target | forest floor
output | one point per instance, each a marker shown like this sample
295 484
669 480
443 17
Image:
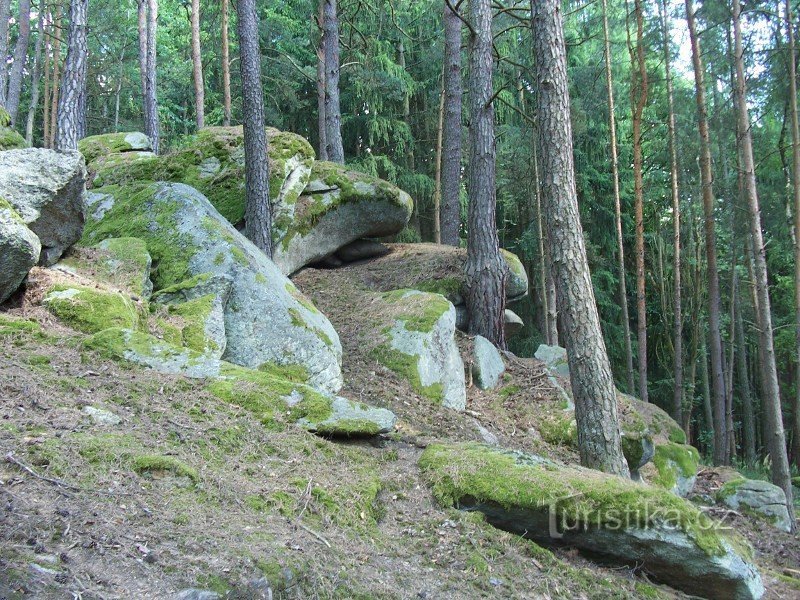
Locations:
189 491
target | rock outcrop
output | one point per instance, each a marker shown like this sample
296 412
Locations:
604 515
761 499
48 191
267 320
19 249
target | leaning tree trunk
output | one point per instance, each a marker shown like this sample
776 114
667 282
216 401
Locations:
37 73
73 82
5 15
771 401
612 127
20 56
714 302
197 68
226 68
258 217
590 372
451 133
333 111
321 121
486 270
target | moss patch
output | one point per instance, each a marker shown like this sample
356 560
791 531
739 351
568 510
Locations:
156 463
418 312
10 139
91 310
673 460
407 366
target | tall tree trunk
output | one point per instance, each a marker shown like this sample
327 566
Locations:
37 73
638 102
486 270
748 414
612 127
118 91
47 88
73 83
590 371
142 28
55 87
708 410
714 302
333 112
152 98
197 68
796 190
548 288
677 335
20 56
226 67
451 133
771 400
258 217
5 15
437 192
321 120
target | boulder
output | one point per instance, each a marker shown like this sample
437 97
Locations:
19 249
487 364
9 138
267 320
555 358
90 309
760 499
675 467
274 392
48 191
122 263
419 345
361 250
97 146
603 515
513 323
337 207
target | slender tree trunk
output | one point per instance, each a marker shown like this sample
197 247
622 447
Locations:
714 303
20 56
333 112
612 126
486 270
5 15
677 335
197 68
55 86
771 400
748 415
152 98
549 307
730 430
451 133
73 83
37 73
321 119
590 371
258 217
437 192
226 67
47 91
796 190
708 411
118 91
142 27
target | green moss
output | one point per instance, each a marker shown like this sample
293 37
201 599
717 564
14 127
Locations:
186 284
633 450
559 430
514 264
96 146
5 118
729 488
511 480
449 287
677 435
91 310
298 295
407 366
349 428
298 321
508 391
11 326
155 463
295 373
10 139
193 315
673 460
418 312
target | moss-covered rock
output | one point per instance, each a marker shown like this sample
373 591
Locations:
123 263
676 467
97 146
19 249
91 310
760 499
186 237
594 512
11 140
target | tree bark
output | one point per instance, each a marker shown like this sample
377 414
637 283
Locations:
47 92
771 401
226 67
486 270
714 302
37 73
612 127
258 214
152 98
321 120
451 133
590 371
20 56
73 82
746 397
677 308
5 15
333 112
437 192
142 27
197 68
708 411
56 84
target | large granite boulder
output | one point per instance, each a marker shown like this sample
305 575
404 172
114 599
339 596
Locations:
760 499
19 249
337 207
48 191
602 515
418 343
97 146
267 320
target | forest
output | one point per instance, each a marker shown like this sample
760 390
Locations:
641 159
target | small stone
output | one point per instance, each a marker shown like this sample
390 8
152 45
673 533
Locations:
102 416
487 364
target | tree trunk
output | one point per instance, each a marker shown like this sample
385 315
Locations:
20 56
590 372
451 133
258 217
437 192
748 414
612 127
796 190
486 270
5 15
677 335
152 98
142 27
37 73
333 112
714 308
47 89
197 68
226 67
771 400
708 411
321 120
73 82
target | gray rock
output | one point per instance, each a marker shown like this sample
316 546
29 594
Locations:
361 250
513 323
350 418
487 364
19 249
267 320
759 498
195 594
555 357
48 191
102 416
